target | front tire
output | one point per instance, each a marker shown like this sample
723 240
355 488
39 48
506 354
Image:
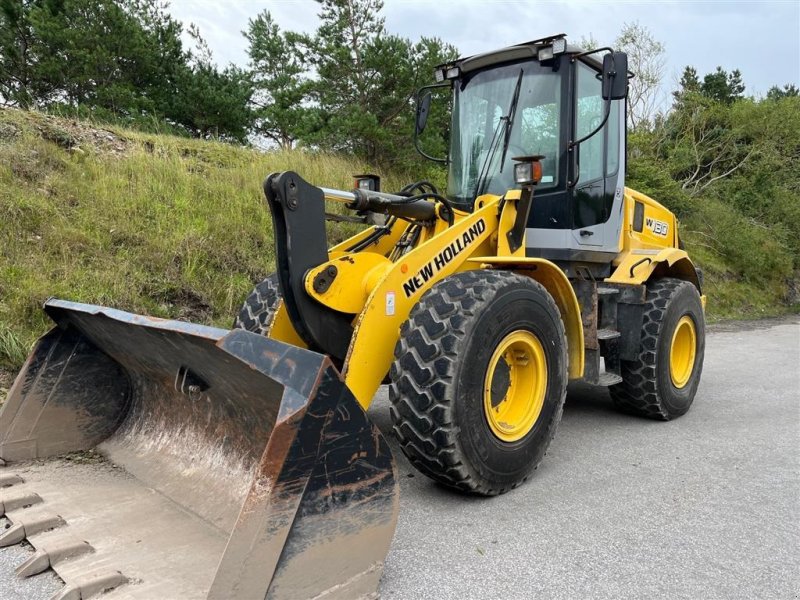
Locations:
258 310
661 383
479 380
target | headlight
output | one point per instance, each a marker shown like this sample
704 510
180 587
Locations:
528 170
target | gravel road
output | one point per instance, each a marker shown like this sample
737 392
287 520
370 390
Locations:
707 506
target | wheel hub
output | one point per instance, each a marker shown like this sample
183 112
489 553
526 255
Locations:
682 352
515 386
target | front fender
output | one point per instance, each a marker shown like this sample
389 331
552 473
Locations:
556 283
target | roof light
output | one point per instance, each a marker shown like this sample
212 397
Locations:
558 46
453 73
439 75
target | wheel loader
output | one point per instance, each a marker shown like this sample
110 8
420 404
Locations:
149 458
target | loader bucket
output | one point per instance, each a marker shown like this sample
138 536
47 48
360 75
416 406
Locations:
160 459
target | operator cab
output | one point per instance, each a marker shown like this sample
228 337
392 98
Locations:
538 98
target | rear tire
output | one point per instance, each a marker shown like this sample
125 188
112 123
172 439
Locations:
258 311
440 381
661 383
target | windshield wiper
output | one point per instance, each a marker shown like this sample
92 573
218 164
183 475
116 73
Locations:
507 122
512 112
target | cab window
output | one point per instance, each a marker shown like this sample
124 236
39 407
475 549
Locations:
590 109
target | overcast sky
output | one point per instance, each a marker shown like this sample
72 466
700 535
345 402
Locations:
760 38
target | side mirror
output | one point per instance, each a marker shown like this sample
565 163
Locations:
615 76
423 110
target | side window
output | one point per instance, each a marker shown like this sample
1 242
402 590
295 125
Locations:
612 160
590 113
540 135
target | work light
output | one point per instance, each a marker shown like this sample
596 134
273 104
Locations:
368 182
527 170
559 46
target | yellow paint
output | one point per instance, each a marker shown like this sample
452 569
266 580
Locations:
376 332
383 246
507 219
357 274
647 251
682 351
518 370
645 262
556 283
282 329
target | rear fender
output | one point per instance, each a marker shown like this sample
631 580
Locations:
639 266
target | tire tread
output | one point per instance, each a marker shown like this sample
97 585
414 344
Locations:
638 392
260 307
431 343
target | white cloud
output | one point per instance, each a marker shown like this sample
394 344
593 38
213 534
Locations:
760 38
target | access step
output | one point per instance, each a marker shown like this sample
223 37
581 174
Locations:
606 291
606 379
607 334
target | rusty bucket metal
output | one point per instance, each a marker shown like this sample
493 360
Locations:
160 459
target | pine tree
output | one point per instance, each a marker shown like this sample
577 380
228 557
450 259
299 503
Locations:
688 84
279 73
722 86
789 91
367 80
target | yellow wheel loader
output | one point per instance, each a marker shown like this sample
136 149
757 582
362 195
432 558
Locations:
159 459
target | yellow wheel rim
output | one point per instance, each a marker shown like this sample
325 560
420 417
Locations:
515 386
682 352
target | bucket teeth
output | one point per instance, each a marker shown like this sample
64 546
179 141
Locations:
23 528
13 501
91 585
39 562
13 535
44 558
10 479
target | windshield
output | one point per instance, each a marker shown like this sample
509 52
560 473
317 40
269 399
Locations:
481 105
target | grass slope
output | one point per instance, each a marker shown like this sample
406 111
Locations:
161 225
174 227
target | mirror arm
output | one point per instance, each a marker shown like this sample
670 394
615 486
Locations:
577 143
589 52
417 146
598 128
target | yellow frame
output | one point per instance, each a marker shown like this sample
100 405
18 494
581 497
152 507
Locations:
382 289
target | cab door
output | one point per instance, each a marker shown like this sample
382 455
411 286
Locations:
593 194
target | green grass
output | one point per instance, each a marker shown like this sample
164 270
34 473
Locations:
179 228
731 296
747 268
156 224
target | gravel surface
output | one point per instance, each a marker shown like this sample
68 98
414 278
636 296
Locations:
707 506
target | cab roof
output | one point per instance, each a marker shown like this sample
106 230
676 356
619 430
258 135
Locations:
529 50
